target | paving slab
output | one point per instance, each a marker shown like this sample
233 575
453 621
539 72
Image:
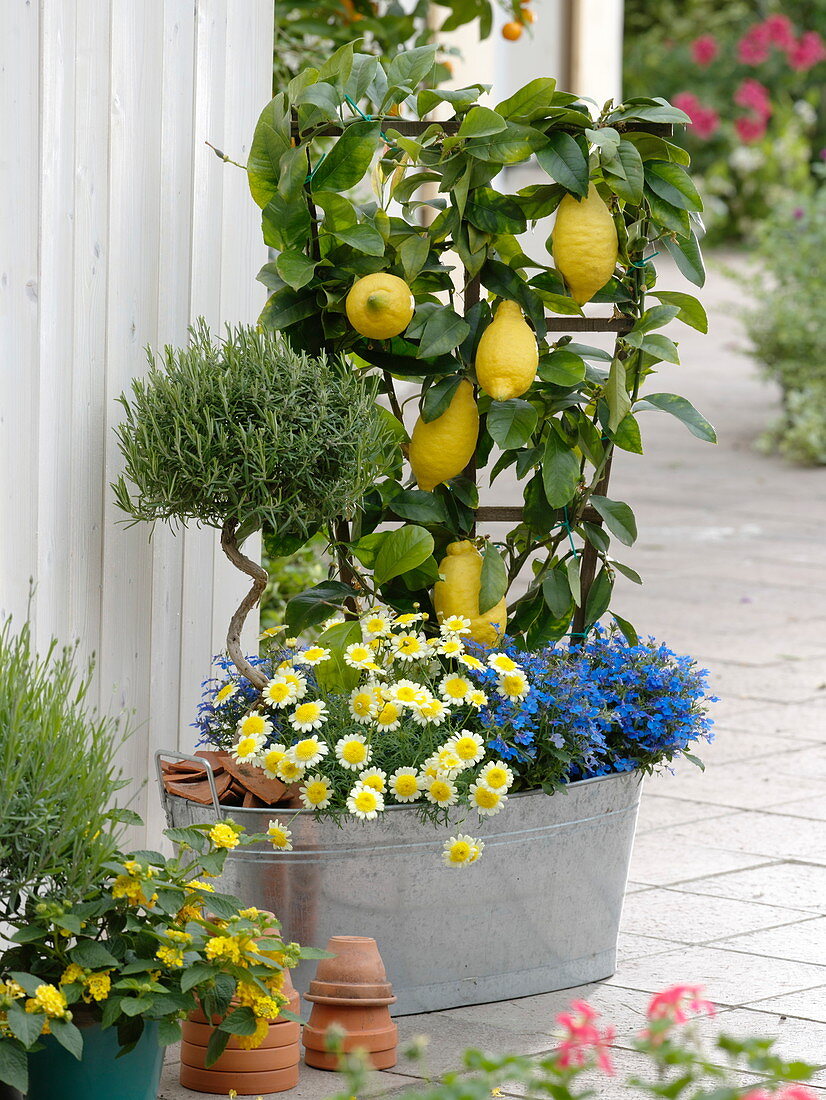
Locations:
795 1039
792 884
754 834
813 808
806 1004
694 918
743 784
805 940
729 977
661 861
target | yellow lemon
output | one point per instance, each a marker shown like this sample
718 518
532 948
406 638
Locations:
441 449
584 242
380 305
507 356
458 593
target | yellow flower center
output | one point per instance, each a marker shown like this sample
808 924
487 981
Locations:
307 712
406 693
365 800
374 781
440 791
406 785
362 703
486 798
388 714
316 792
456 687
354 752
496 777
459 852
246 746
253 724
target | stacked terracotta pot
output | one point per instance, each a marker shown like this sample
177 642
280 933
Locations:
272 1067
351 993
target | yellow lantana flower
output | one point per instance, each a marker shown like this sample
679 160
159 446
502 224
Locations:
224 835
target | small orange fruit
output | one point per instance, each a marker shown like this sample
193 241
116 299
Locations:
529 15
512 31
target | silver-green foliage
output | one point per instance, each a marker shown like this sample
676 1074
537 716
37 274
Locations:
787 327
247 429
57 775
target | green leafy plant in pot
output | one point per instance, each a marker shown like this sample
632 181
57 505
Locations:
244 434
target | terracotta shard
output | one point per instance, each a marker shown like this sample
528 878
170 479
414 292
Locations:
198 791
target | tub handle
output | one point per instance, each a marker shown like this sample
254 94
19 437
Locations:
162 754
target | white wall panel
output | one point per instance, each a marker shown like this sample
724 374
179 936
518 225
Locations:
120 228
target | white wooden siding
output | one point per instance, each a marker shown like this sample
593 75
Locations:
119 227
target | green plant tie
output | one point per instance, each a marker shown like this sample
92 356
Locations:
647 260
367 118
318 165
566 524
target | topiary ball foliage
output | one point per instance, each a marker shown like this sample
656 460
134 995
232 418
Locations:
248 429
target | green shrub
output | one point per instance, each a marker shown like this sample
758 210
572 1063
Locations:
787 326
57 775
248 430
289 576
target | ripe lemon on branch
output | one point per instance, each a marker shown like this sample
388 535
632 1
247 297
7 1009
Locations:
458 593
584 240
380 305
507 356
441 449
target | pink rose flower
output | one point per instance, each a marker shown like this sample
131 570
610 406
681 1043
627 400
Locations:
704 120
807 52
704 49
753 47
583 1044
750 128
753 94
779 31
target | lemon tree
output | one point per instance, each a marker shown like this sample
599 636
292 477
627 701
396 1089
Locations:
395 246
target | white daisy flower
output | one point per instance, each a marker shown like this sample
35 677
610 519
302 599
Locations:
314 655
485 800
365 802
307 752
469 661
255 725
432 713
411 646
389 716
441 791
308 716
405 785
288 771
278 693
497 775
334 620
468 746
248 747
294 679
316 792
280 836
454 687
408 618
375 623
461 850
353 752
477 698
375 778
360 656
455 624
363 704
448 762
513 685
449 647
501 662
271 757
224 693
407 693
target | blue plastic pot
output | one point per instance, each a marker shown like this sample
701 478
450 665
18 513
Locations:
100 1074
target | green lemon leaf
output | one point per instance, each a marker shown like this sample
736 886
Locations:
349 159
270 141
672 183
691 311
626 629
627 436
618 518
418 506
316 604
599 597
557 592
494 213
560 471
511 423
625 174
403 549
295 268
688 257
443 331
564 161
438 397
616 395
493 583
529 102
364 238
683 410
562 368
481 122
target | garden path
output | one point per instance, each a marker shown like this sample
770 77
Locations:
728 880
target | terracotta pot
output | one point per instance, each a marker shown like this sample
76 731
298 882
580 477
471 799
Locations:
245 1084
379 1059
357 962
260 1060
280 1034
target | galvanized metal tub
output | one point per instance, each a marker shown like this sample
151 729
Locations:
540 911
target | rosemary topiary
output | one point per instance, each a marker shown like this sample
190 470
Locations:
246 433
